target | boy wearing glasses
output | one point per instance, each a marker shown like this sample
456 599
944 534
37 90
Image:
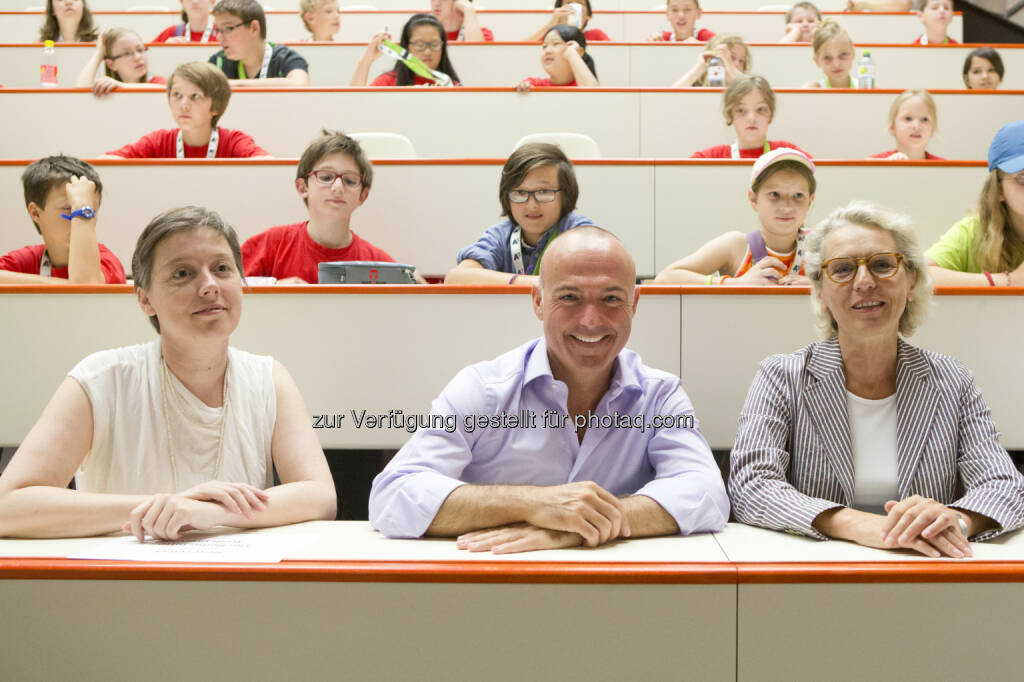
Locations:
198 95
538 193
333 178
246 57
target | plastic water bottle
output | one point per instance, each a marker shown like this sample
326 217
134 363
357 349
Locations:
576 17
866 71
716 73
48 68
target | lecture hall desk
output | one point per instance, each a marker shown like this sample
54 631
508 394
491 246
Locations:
744 604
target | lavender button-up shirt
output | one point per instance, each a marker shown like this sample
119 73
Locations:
625 450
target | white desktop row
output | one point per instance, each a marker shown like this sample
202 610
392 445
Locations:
650 65
515 25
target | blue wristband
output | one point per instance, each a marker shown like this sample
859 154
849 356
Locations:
84 212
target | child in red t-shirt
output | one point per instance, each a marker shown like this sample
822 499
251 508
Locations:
197 94
125 63
564 56
460 22
62 195
333 178
912 121
682 16
749 107
197 26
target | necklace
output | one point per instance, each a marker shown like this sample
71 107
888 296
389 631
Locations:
165 387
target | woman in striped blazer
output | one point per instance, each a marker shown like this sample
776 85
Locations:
864 437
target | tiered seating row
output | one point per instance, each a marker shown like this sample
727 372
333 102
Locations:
423 212
444 124
20 27
618 65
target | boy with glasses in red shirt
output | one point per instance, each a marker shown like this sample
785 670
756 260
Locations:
333 178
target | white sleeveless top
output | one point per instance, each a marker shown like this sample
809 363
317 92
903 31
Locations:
132 444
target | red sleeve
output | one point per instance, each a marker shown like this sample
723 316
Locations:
380 254
780 144
386 80
241 146
666 35
146 148
700 155
881 155
596 34
167 33
704 35
488 34
158 80
253 252
113 272
918 41
538 82
20 260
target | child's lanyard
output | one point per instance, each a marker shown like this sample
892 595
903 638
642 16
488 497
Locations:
207 32
755 239
828 83
44 265
263 69
414 64
924 40
734 150
515 245
211 148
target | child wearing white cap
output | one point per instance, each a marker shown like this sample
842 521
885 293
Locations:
781 192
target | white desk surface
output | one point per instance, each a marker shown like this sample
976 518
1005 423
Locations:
747 544
356 541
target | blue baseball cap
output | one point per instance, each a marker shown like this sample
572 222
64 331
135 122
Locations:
1007 149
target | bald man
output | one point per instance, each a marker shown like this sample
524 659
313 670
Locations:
612 449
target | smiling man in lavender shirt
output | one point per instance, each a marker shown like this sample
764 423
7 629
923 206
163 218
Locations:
603 448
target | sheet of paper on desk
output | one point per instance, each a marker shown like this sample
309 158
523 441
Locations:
251 547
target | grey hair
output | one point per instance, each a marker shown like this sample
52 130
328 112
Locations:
168 224
902 232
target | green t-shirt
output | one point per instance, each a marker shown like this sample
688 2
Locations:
955 250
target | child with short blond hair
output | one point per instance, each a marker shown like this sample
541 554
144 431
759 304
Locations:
912 121
834 54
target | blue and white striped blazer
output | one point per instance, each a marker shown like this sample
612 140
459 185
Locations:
792 458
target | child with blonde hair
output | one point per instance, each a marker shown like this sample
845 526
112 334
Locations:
781 192
682 16
912 121
734 53
322 18
801 20
834 55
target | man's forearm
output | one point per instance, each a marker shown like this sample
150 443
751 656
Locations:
472 507
647 518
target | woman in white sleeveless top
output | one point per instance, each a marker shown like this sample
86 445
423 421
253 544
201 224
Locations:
181 433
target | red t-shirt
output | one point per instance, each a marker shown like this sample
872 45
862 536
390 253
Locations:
928 156
595 34
546 83
949 41
28 259
162 144
192 36
453 36
389 79
703 35
289 251
724 151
